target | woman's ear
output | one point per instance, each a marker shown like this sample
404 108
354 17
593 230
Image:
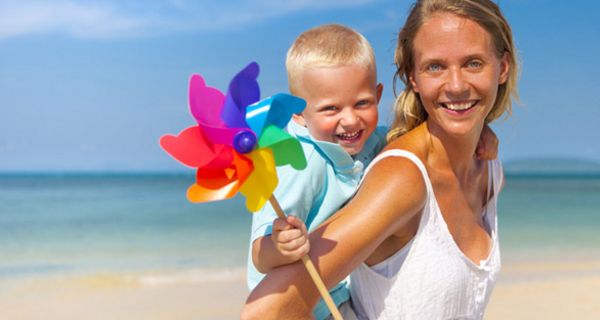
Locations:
413 83
504 69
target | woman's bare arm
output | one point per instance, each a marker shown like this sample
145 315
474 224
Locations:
392 193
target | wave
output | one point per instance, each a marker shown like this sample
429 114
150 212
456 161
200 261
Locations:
194 276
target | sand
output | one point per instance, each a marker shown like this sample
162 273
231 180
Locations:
547 290
116 297
532 290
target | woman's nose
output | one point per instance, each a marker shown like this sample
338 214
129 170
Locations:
456 84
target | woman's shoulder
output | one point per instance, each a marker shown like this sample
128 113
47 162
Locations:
413 141
406 148
398 167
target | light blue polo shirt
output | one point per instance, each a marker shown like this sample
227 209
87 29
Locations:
314 194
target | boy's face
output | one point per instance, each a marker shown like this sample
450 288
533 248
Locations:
341 104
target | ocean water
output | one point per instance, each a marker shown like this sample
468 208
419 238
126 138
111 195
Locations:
129 223
78 224
550 217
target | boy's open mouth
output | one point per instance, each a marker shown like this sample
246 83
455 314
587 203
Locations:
349 137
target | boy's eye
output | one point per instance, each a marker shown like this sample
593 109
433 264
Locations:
362 103
329 108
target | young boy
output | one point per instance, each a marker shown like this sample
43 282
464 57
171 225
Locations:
333 68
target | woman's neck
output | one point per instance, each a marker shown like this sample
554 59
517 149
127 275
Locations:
453 152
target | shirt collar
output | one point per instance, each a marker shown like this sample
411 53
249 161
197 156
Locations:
340 159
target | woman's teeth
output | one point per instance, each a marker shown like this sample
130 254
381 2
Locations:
458 106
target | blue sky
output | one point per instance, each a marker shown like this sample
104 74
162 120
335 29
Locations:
91 85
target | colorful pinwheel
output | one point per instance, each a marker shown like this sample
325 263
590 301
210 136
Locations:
237 144
238 141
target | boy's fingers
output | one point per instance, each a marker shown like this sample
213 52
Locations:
295 245
288 235
297 223
487 147
281 224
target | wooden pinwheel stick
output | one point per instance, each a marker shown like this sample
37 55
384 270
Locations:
310 267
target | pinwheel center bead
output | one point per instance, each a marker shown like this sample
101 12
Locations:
244 141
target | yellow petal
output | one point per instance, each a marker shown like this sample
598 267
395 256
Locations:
261 183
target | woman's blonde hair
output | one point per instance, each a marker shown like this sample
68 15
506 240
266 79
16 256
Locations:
408 109
329 45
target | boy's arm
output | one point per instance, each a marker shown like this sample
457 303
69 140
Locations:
295 192
287 244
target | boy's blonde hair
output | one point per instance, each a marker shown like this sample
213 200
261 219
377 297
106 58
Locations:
329 45
409 112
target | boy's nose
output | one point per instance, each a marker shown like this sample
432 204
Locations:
349 118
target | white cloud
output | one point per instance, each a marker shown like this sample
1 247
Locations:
80 20
107 19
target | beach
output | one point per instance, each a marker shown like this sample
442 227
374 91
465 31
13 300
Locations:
105 296
550 290
131 247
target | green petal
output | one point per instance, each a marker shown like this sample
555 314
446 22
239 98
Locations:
286 149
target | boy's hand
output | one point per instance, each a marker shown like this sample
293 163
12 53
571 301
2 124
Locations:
487 148
290 238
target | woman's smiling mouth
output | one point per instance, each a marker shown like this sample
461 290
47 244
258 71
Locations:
459 106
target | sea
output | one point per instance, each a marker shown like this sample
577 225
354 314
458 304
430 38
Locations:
141 223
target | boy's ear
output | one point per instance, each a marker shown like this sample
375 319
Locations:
379 91
299 119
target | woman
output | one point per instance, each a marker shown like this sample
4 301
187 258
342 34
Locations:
424 219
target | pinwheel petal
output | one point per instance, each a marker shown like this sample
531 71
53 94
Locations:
192 148
243 91
261 183
206 102
200 193
286 149
276 110
222 183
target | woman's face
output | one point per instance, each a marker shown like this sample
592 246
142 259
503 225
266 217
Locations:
456 73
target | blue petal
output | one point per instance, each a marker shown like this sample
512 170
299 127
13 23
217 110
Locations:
276 110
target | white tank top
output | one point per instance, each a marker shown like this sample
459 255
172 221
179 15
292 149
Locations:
430 277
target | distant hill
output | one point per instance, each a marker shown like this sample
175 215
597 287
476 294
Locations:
552 166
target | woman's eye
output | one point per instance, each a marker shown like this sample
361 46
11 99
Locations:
474 64
435 67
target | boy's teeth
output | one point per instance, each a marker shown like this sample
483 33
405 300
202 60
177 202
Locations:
349 135
458 106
